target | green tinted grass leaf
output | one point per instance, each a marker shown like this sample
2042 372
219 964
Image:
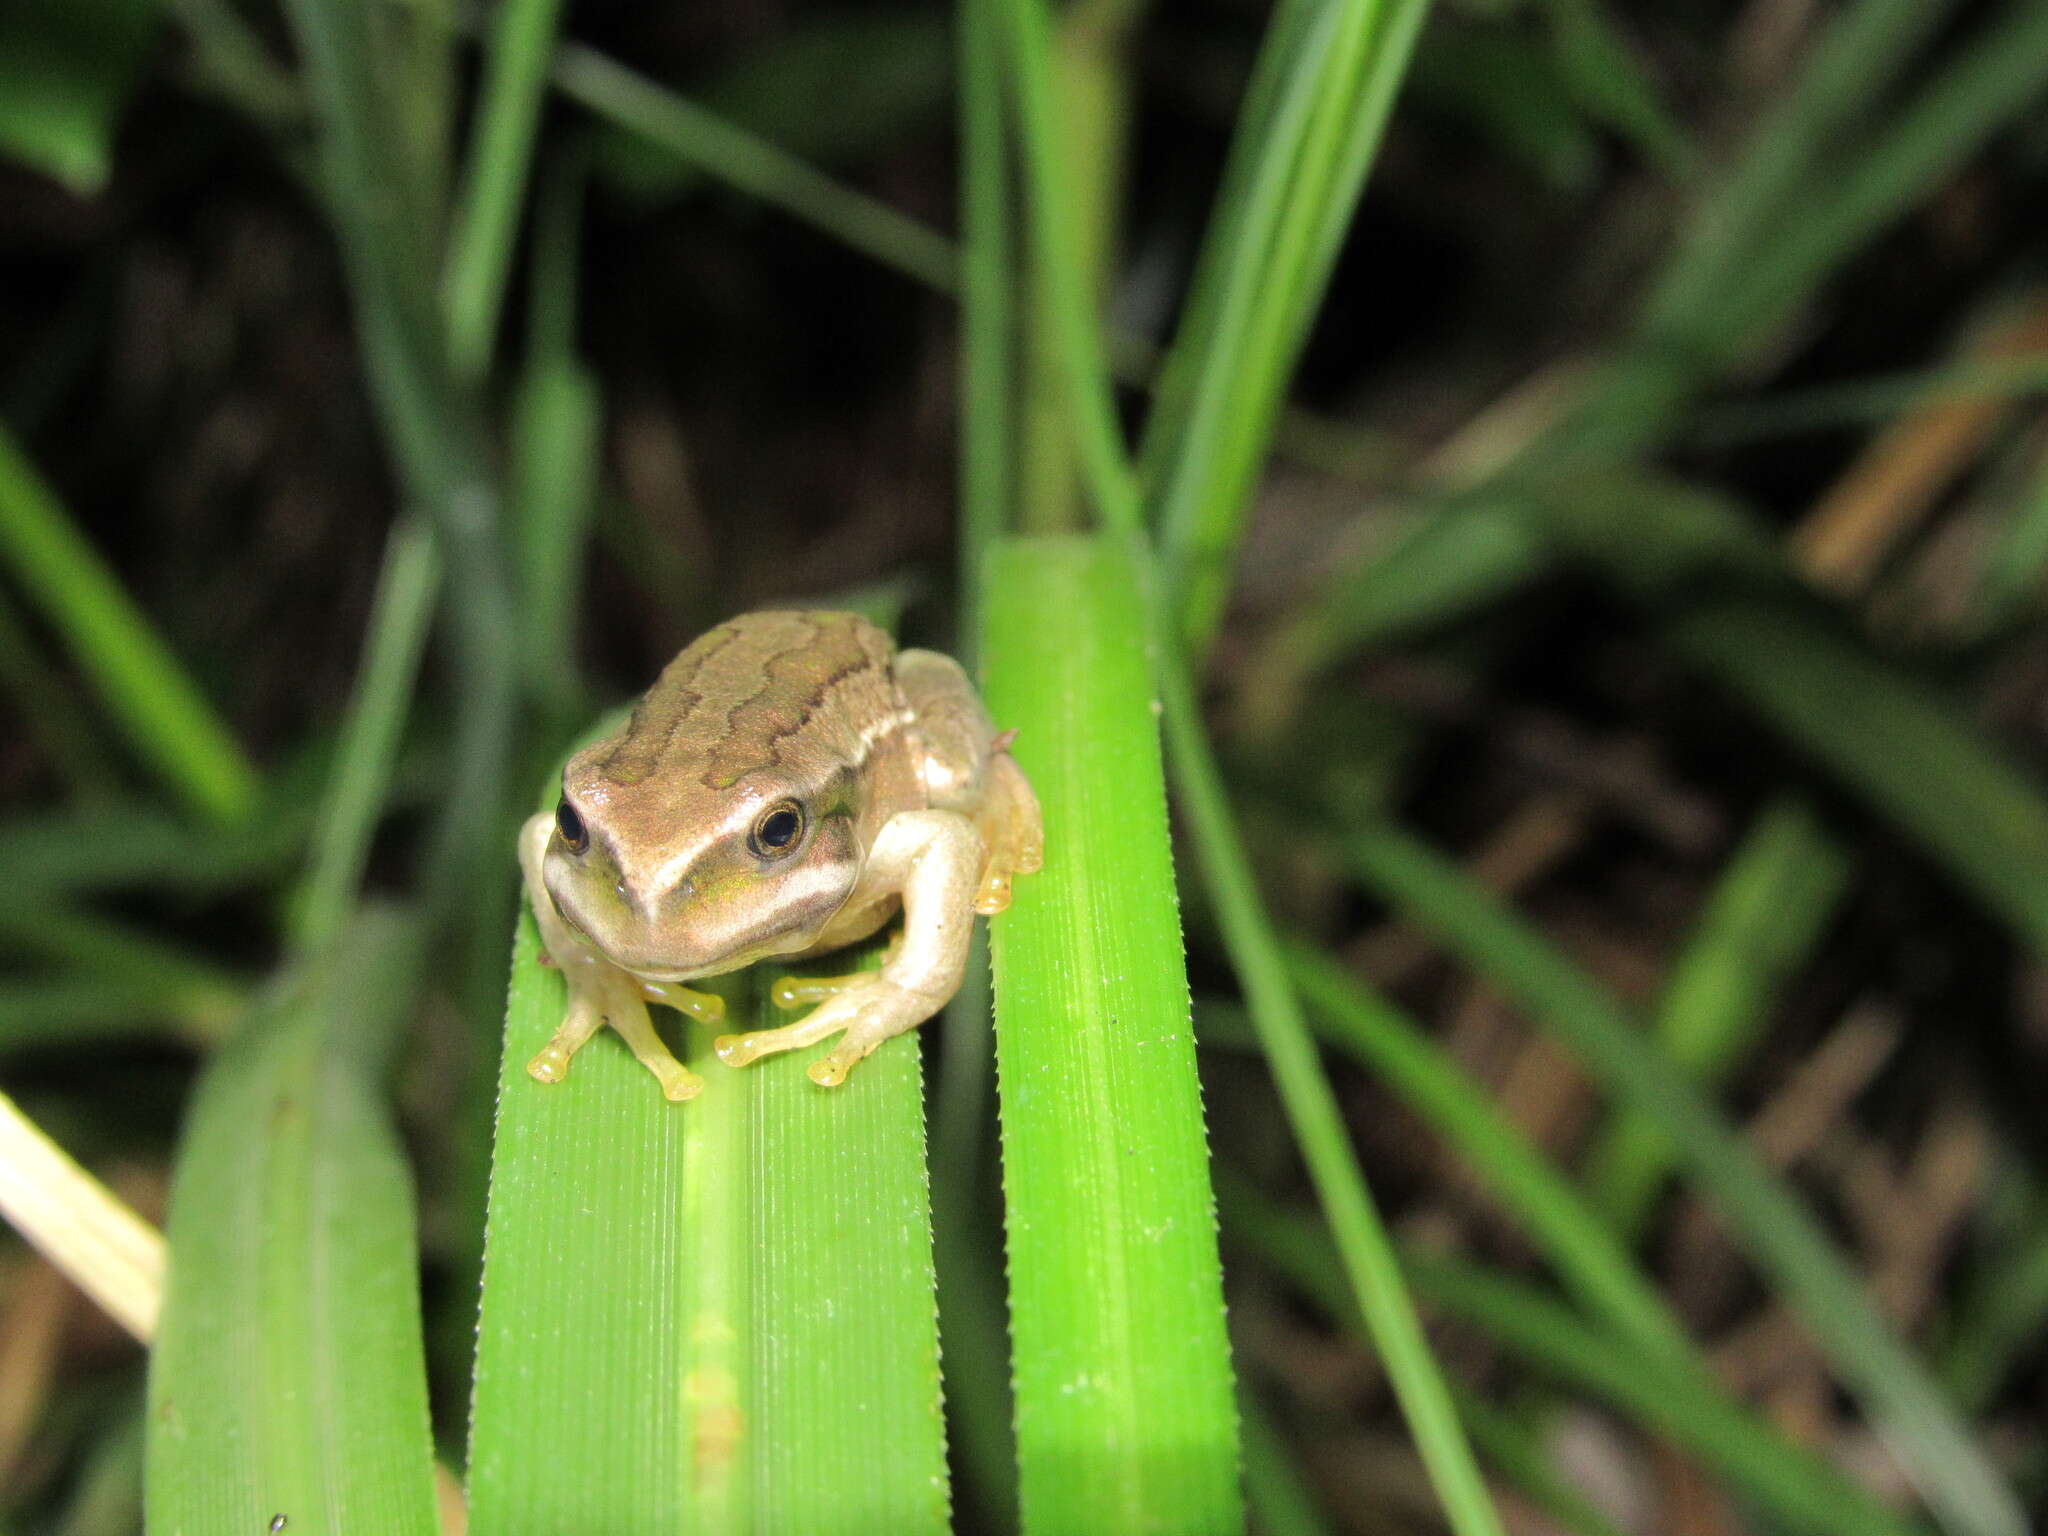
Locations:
707 1316
287 1377
1125 1418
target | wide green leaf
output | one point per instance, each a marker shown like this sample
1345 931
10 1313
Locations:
710 1316
287 1379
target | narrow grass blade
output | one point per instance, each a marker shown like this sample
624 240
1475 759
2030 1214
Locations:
2011 581
288 1378
1307 174
1447 562
1899 743
1758 925
126 845
53 716
501 150
1780 1235
988 305
408 587
1311 1106
1125 1418
1059 267
65 75
754 165
1536 1196
1994 78
2002 1316
557 443
154 701
1613 87
709 1316
1582 1251
1856 58
1800 1489
1278 1497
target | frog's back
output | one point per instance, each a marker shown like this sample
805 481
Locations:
777 689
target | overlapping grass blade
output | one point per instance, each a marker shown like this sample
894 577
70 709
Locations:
153 700
1275 251
1779 1234
1899 743
287 1378
1319 1131
755 166
1125 1419
1758 924
501 150
704 1316
1534 1193
1801 1490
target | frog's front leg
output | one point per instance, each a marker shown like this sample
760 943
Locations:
935 859
600 993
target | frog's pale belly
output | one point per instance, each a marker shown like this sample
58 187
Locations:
788 783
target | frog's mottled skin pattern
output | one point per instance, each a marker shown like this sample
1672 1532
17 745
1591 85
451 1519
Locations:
909 800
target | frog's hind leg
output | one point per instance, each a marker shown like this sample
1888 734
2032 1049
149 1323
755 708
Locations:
1012 828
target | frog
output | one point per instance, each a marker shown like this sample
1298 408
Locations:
789 784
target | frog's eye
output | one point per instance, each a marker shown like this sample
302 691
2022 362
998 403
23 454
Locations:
570 825
779 830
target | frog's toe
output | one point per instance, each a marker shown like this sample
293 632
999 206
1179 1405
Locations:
736 1050
550 1066
704 1007
994 895
681 1085
828 1071
804 991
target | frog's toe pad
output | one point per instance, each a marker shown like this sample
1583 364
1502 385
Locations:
550 1066
828 1071
736 1050
681 1086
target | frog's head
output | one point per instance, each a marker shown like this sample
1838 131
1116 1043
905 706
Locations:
680 875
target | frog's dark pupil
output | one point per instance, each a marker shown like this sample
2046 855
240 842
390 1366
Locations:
571 826
779 830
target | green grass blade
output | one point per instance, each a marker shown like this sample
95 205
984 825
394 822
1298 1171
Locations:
1804 1491
1854 61
988 305
1059 267
287 1378
1125 1418
1758 925
1609 83
1539 1199
1997 77
1536 1196
400 617
501 151
2010 581
1311 1106
754 165
1276 1494
1865 401
2002 1316
1448 561
52 715
1779 1234
1307 175
1902 745
707 1316
151 697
